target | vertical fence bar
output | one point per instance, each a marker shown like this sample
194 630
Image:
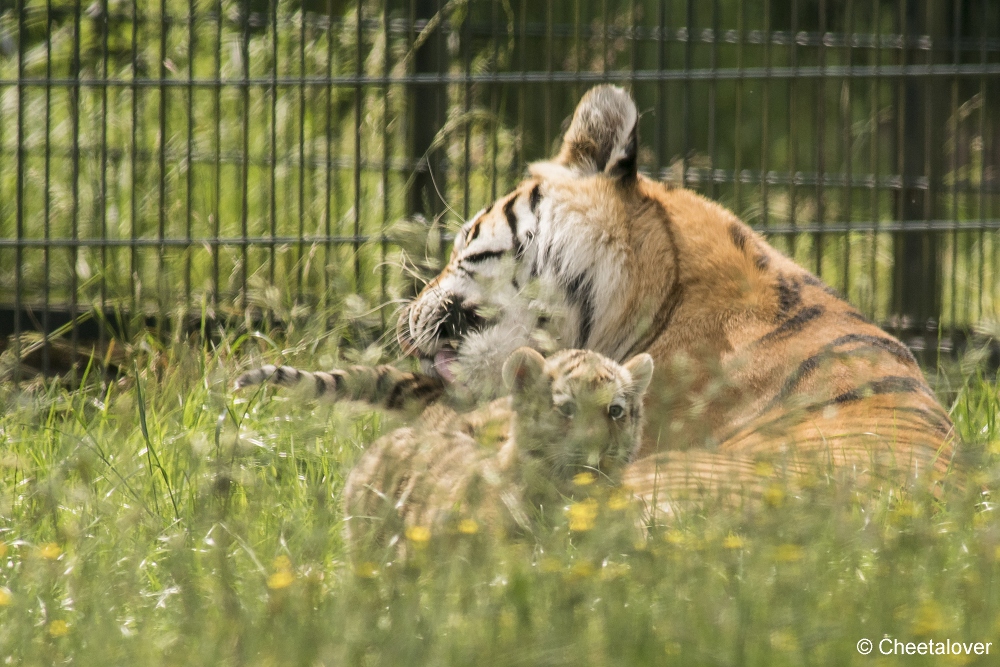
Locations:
386 156
820 129
133 163
328 209
217 159
300 263
102 204
19 194
713 101
686 95
161 229
954 131
244 183
738 120
466 47
873 159
272 200
981 131
847 144
660 129
189 173
358 92
494 99
765 125
793 129
75 187
47 203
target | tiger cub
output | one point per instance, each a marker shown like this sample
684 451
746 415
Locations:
575 412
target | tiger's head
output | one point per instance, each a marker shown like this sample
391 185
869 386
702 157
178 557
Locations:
577 411
554 255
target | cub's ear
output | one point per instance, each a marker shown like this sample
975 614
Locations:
602 137
523 369
641 368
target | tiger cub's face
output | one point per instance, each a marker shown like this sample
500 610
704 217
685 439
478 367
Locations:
577 411
550 256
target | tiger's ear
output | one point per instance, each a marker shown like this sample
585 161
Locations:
602 139
523 370
641 368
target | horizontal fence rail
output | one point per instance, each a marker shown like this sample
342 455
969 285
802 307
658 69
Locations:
222 156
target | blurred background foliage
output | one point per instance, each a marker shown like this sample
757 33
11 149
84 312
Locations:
259 160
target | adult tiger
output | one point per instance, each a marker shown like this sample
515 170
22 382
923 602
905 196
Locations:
755 356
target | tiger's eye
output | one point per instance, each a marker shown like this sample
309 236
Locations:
616 411
568 409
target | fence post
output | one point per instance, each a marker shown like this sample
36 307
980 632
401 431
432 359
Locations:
427 112
916 267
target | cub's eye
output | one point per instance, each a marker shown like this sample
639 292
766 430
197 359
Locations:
567 409
616 411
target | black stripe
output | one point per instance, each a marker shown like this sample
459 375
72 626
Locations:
483 256
890 345
937 420
579 292
534 198
476 228
762 261
808 366
508 211
739 236
672 296
891 384
789 296
810 279
794 324
320 384
857 316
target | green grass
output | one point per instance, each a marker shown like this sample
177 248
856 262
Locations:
161 520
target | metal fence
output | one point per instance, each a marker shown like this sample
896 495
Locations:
189 158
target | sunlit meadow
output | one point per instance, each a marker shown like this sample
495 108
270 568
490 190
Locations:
157 518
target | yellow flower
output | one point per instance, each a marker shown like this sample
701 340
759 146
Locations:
366 570
774 496
581 569
280 579
418 534
468 527
675 537
618 500
783 641
584 478
788 553
50 551
732 541
282 564
5 597
58 628
550 564
929 621
582 515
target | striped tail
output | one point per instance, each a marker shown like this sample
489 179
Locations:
382 386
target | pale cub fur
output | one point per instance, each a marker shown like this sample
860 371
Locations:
576 412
